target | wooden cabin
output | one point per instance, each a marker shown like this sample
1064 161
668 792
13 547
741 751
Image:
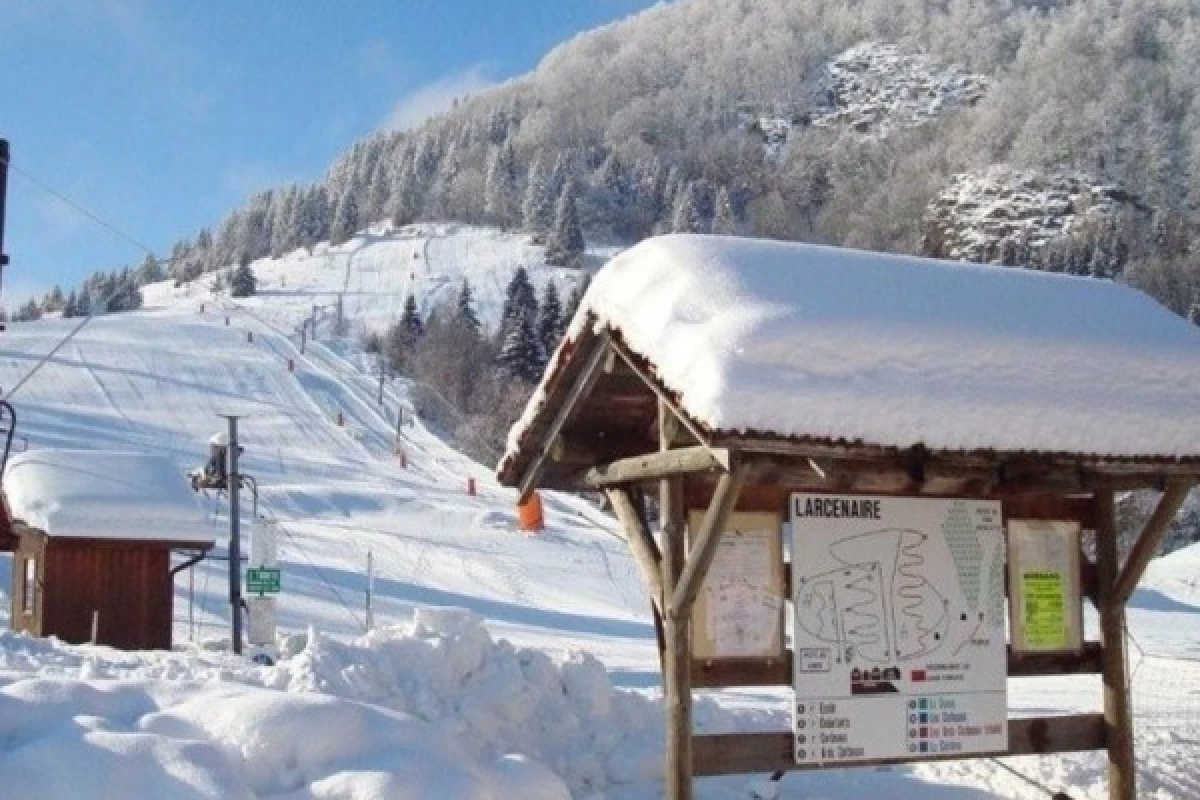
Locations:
766 390
93 535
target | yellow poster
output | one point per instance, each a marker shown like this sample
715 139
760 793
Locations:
1045 601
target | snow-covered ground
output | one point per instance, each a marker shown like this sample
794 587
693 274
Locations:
545 686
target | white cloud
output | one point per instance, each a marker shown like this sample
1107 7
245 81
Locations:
434 98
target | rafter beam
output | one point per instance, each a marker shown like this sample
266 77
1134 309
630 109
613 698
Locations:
664 398
584 382
704 548
1147 544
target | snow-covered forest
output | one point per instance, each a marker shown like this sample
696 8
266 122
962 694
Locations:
641 127
749 117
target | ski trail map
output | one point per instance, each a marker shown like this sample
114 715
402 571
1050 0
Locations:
899 628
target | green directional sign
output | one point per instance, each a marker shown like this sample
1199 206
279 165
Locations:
263 580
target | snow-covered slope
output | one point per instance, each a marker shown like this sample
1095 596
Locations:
375 271
431 704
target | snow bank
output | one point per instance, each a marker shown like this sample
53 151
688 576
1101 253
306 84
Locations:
98 494
434 708
809 341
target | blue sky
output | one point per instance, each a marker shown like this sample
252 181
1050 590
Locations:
161 115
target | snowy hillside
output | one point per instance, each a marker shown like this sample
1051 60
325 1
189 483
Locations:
544 686
375 270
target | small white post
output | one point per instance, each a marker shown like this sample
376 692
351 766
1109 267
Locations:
192 603
95 626
370 589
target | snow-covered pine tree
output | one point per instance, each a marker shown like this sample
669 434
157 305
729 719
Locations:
411 323
71 305
724 216
150 271
537 211
693 208
314 217
550 319
345 219
520 354
465 307
500 191
54 299
564 245
243 282
520 301
28 311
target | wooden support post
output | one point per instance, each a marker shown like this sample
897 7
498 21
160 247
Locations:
641 543
1118 715
1147 544
704 548
677 688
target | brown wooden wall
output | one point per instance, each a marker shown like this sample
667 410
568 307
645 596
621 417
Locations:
129 584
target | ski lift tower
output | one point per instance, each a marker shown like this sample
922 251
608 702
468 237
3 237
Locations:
8 417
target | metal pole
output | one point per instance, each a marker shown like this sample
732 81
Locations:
234 483
4 156
370 589
381 377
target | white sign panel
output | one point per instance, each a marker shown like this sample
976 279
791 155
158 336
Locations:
739 610
899 628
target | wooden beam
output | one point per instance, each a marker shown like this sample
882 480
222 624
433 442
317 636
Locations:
1118 714
743 753
664 399
641 543
677 678
1147 544
704 546
583 384
654 466
749 672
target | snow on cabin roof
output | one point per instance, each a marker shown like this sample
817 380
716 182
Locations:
827 343
87 494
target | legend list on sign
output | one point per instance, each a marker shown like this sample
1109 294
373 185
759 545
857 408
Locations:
845 730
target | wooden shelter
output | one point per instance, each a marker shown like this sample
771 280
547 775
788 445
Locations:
92 537
728 375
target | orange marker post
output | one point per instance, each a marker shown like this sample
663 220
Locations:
530 516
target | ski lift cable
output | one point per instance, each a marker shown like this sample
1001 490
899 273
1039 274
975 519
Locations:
316 570
78 207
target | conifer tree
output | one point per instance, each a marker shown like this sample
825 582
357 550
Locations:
150 271
465 306
520 301
500 190
550 319
724 217
520 352
537 212
345 219
243 282
565 245
410 321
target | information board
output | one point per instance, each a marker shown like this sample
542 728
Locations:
739 609
1045 586
899 636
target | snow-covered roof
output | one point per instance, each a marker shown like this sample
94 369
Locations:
810 342
90 494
